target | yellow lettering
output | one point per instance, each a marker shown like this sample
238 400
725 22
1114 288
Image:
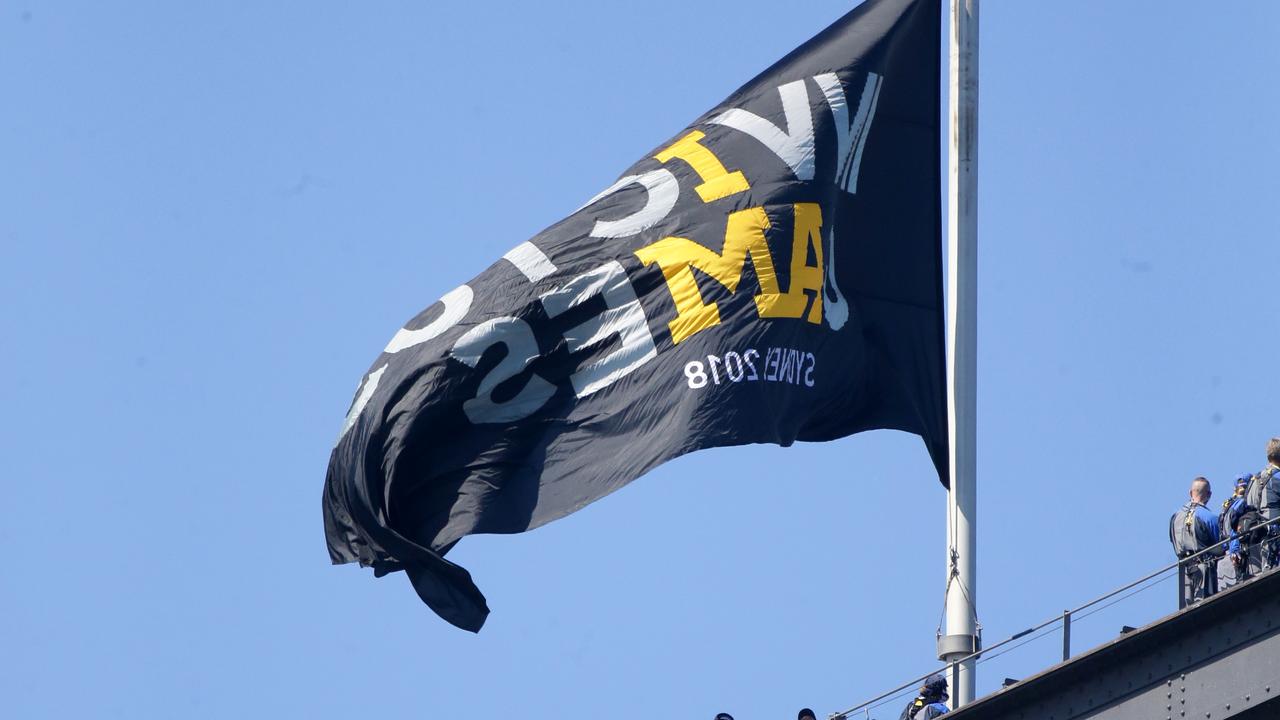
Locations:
717 182
744 235
808 232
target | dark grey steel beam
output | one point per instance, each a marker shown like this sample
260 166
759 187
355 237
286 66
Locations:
1217 659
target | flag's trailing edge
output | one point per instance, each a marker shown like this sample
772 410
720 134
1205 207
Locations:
771 273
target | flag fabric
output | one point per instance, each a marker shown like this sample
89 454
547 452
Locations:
770 273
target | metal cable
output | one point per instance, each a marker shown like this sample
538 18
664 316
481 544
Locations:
1033 638
1074 619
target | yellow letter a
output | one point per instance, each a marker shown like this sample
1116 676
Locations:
804 276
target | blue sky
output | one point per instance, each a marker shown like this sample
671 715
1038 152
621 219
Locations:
213 217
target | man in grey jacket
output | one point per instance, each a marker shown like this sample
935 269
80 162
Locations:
1192 529
1264 494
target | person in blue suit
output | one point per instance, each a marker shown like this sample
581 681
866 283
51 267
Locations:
930 703
1236 515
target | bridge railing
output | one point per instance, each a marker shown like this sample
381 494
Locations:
1063 621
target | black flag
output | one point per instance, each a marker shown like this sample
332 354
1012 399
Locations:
771 273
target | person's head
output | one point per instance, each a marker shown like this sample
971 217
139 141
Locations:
1200 490
724 716
934 688
1273 451
806 714
1242 484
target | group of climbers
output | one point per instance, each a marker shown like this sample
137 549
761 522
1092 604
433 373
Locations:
928 704
1234 544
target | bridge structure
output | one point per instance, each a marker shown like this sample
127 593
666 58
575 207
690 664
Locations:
1218 658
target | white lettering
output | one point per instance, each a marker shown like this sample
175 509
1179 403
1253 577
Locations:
623 317
530 261
367 387
456 304
795 146
522 349
663 190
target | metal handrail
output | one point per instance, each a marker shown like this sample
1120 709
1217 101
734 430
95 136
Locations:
1064 617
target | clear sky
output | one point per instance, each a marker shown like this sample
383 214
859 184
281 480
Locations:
213 216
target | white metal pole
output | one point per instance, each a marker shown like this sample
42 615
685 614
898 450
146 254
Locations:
962 319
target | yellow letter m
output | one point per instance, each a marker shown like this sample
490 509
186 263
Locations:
744 236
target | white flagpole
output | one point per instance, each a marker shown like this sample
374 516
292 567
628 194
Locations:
962 319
